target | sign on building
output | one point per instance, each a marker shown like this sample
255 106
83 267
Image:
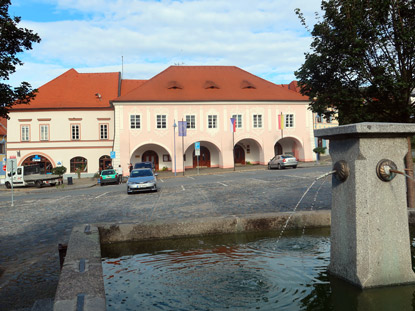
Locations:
197 148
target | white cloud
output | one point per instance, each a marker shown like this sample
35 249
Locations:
265 36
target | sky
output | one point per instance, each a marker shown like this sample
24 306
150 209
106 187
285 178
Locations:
141 38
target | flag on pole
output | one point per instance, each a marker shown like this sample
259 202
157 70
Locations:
182 128
281 121
233 124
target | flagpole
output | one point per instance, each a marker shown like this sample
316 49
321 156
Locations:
233 122
233 149
183 147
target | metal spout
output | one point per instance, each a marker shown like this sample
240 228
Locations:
342 170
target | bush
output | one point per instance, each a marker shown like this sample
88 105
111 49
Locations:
320 150
164 168
59 170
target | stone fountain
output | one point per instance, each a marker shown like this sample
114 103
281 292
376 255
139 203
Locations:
370 245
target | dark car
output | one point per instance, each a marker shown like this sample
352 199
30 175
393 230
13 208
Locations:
142 179
282 161
144 165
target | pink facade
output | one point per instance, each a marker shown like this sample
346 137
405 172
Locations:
254 143
207 97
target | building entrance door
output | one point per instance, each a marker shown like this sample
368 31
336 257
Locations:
204 158
151 156
239 154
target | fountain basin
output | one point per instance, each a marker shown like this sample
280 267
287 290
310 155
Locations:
85 287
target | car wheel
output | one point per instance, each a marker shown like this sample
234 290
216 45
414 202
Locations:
279 166
295 166
53 184
8 185
38 184
101 184
269 166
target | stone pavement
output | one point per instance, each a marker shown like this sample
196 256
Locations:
31 231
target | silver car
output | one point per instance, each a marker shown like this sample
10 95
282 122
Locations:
282 161
141 180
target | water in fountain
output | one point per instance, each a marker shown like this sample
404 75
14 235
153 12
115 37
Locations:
237 272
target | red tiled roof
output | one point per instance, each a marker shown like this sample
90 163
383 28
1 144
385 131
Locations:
209 83
76 90
128 85
3 126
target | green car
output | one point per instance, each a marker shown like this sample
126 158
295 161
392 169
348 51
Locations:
108 177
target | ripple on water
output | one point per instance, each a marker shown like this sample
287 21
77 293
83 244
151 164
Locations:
244 276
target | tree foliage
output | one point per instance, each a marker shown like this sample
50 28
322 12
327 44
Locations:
13 40
362 61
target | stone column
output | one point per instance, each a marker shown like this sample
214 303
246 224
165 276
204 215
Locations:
370 243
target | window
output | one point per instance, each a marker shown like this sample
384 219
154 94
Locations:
25 133
191 122
103 131
212 121
135 121
75 131
79 163
2 148
289 120
257 120
161 121
319 118
44 132
238 118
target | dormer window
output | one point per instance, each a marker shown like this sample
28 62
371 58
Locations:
245 84
174 85
210 85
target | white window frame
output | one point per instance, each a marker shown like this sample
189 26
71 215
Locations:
289 120
103 131
161 121
25 132
238 118
191 121
77 134
44 132
257 121
135 121
212 121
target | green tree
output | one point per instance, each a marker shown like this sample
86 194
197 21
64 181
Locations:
362 61
13 40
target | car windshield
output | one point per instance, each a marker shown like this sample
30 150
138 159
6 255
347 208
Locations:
108 172
141 173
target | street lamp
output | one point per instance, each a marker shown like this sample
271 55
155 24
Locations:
174 139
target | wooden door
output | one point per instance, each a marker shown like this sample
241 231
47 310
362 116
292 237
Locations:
151 156
204 158
239 154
